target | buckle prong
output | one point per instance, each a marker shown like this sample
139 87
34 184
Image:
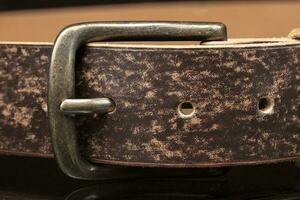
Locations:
86 106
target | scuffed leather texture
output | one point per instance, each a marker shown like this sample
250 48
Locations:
148 84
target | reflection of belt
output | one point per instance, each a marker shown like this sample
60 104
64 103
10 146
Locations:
221 103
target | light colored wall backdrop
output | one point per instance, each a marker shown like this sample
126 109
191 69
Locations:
243 19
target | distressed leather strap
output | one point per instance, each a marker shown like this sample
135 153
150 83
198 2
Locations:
225 83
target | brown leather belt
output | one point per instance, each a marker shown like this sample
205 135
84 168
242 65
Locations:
222 103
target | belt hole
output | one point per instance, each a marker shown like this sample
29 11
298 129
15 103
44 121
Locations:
186 109
266 105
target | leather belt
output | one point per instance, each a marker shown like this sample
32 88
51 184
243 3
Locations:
216 104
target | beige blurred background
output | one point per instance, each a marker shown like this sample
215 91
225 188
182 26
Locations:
243 19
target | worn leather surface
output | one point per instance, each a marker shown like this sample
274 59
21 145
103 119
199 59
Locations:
148 84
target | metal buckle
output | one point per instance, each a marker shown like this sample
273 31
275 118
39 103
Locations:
61 83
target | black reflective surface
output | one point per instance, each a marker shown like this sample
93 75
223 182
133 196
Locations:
37 178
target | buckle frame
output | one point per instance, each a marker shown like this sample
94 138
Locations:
61 84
